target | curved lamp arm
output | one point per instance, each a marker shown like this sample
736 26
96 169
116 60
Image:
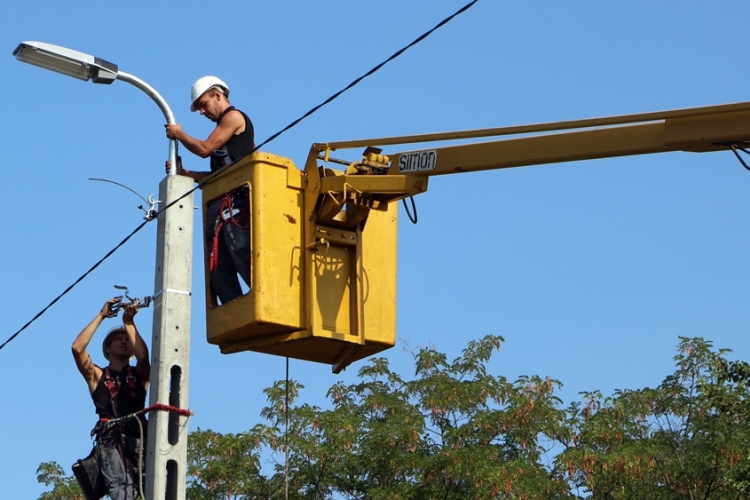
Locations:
159 100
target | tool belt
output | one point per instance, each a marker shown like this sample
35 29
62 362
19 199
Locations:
110 435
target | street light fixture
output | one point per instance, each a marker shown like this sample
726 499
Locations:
167 444
66 61
87 67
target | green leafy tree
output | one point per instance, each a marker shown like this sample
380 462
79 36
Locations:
453 432
738 372
686 439
224 466
63 487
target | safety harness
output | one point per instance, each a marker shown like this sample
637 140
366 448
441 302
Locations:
112 436
228 214
113 387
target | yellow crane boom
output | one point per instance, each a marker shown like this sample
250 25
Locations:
699 130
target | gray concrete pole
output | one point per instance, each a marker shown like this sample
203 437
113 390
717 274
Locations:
167 432
166 459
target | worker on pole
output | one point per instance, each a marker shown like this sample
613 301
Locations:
118 391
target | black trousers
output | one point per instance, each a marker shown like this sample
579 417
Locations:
234 254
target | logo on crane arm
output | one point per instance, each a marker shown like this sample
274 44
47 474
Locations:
418 161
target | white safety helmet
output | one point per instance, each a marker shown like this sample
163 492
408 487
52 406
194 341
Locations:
202 85
108 339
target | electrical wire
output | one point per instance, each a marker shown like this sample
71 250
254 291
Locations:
735 147
286 434
121 185
372 71
396 54
271 138
81 278
413 219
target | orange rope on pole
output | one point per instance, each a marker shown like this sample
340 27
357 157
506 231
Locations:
162 406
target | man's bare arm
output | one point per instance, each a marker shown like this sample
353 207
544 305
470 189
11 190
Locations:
91 373
140 350
196 176
232 123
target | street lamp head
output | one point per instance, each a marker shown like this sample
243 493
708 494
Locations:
86 67
66 61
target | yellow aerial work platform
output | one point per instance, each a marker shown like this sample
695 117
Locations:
323 241
332 299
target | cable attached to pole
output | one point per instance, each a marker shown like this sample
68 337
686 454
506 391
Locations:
286 434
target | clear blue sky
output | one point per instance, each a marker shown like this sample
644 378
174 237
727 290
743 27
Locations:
589 270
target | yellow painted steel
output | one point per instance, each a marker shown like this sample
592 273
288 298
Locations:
274 304
700 129
585 123
322 292
697 133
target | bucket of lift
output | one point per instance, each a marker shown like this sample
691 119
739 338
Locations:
322 287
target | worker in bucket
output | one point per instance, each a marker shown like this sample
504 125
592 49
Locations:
227 219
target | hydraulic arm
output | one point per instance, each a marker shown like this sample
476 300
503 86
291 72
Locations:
378 179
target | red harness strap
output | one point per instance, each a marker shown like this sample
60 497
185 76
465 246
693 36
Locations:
113 386
225 208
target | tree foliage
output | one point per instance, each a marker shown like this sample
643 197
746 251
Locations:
455 431
224 466
686 439
63 487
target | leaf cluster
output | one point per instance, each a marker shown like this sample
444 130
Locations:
454 431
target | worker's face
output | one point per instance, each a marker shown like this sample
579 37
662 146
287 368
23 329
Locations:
209 104
120 346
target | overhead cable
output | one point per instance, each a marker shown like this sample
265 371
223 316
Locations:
445 21
91 269
271 138
371 72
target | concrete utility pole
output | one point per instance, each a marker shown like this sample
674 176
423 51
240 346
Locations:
167 432
170 347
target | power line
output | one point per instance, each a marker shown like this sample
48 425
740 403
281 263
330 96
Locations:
371 72
271 138
91 269
396 54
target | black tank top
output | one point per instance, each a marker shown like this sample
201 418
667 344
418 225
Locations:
240 145
128 400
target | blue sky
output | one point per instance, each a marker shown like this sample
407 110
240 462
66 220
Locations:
590 270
